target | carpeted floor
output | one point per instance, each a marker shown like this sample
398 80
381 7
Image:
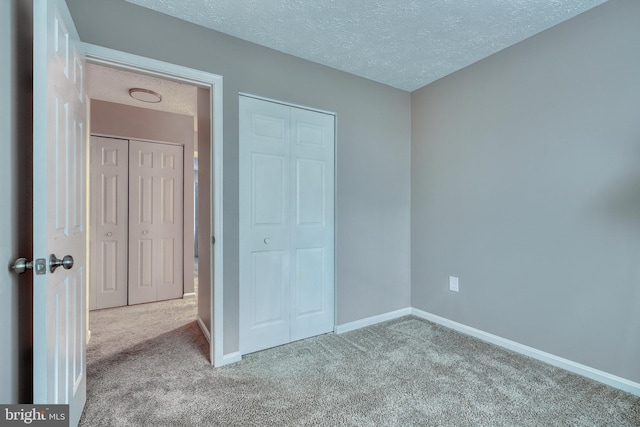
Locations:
147 366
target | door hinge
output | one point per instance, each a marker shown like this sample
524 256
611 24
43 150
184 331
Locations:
213 240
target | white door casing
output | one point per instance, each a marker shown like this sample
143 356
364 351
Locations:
59 150
109 222
155 221
286 223
213 329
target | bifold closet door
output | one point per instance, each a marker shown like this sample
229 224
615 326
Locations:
109 222
286 224
155 221
312 223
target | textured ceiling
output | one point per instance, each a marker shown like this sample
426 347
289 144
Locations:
402 43
112 85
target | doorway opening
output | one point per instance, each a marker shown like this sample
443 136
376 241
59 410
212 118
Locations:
204 261
142 188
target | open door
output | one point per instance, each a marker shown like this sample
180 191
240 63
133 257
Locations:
59 229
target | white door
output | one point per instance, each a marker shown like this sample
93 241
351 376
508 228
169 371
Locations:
312 223
156 206
59 299
109 222
286 224
265 200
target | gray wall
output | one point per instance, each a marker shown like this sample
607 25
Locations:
15 216
373 147
111 119
526 185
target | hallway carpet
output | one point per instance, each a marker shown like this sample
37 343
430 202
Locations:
147 366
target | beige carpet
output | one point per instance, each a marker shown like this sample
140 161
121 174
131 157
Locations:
147 366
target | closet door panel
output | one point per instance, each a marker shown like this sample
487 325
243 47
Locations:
170 209
156 222
109 228
312 232
264 225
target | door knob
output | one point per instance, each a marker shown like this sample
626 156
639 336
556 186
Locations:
66 262
22 265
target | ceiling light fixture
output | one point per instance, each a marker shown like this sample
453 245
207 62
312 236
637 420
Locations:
145 95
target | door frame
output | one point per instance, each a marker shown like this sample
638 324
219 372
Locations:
130 62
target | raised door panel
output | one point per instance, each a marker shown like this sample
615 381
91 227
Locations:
268 190
143 274
268 287
109 215
311 190
310 280
144 202
59 184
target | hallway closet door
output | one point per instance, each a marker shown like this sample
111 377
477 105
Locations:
137 226
109 222
286 224
155 221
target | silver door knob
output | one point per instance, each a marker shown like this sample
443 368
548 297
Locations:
22 265
66 262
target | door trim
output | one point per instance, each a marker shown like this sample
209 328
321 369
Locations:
135 63
289 104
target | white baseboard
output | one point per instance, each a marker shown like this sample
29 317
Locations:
576 368
568 365
339 329
227 358
189 295
352 326
231 358
203 328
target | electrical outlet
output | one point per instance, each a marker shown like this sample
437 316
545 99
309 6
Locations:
453 283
